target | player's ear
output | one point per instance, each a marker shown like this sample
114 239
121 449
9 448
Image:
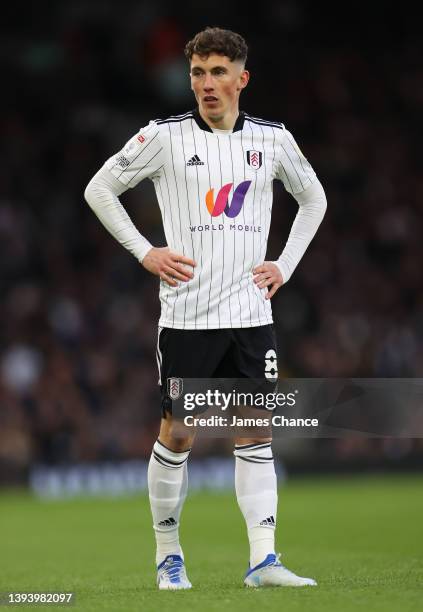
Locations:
243 79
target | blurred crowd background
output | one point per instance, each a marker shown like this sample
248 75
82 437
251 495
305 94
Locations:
78 377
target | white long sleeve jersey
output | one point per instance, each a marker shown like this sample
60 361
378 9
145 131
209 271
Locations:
215 195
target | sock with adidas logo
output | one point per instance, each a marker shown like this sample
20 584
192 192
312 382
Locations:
256 492
167 488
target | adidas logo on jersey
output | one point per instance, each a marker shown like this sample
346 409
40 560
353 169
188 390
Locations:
269 521
195 161
170 522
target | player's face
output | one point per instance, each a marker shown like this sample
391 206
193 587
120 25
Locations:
217 83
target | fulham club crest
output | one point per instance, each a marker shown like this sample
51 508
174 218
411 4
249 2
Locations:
254 159
174 388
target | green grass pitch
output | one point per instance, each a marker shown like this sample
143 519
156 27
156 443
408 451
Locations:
360 537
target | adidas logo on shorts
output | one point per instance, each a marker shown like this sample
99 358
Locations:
195 161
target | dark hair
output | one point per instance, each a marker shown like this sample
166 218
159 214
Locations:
216 40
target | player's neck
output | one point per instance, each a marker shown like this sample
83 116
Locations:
225 122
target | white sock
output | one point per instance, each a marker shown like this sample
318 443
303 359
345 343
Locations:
256 492
167 488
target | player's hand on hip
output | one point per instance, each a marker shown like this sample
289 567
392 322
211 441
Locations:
168 265
268 275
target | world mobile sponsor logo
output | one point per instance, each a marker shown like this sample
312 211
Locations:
231 210
222 200
238 227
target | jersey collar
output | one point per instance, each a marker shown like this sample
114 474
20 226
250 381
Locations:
239 123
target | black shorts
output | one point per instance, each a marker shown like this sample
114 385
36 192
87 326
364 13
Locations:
248 352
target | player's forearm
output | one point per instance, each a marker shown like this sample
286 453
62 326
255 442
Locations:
102 195
312 207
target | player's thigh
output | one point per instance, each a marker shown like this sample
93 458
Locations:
183 354
254 352
251 363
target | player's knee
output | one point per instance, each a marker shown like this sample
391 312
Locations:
171 436
245 441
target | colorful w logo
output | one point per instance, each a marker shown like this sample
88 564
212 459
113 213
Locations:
222 204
